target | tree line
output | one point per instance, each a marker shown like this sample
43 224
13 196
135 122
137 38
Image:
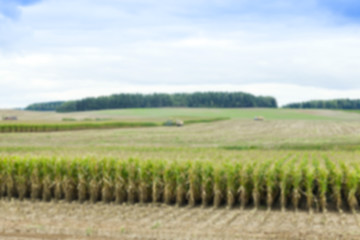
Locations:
327 104
198 99
48 106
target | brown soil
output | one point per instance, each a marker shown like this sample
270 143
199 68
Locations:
40 220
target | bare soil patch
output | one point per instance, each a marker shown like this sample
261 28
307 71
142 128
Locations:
41 220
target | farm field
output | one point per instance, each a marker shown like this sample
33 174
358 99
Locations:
144 114
233 133
293 176
26 220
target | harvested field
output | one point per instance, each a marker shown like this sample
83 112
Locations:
245 178
151 114
238 133
25 220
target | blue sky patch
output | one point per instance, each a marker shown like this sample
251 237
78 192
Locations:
10 8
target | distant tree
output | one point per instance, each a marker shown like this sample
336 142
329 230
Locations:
70 106
197 99
46 106
327 104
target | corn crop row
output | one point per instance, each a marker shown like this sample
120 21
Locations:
296 182
67 126
50 127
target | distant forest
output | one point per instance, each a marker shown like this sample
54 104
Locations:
198 99
49 106
327 104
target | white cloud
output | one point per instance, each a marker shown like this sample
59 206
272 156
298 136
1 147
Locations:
62 50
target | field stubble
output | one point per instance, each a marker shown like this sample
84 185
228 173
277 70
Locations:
233 133
27 220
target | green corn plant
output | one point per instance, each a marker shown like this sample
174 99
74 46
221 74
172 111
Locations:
219 184
316 194
335 180
70 180
157 188
48 180
3 163
83 182
344 166
315 163
309 175
170 183
207 183
21 177
357 193
132 187
121 180
60 172
246 185
357 169
337 185
323 173
145 175
277 181
285 182
9 172
195 183
108 180
36 178
258 179
182 185
296 179
351 179
271 176
233 170
95 183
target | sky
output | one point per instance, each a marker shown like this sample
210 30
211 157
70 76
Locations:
71 49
